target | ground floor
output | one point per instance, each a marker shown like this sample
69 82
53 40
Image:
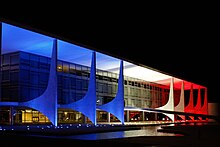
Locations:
11 115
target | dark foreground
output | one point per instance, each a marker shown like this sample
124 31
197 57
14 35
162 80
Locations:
193 135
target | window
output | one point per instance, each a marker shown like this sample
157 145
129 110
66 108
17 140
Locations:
72 69
65 67
14 59
6 60
24 75
66 97
105 88
78 84
126 91
43 64
78 67
14 78
109 89
14 94
59 66
34 78
25 93
84 84
73 83
100 85
33 93
34 61
44 77
5 75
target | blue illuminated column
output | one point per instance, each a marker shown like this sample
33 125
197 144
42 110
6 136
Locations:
116 106
87 105
0 61
47 102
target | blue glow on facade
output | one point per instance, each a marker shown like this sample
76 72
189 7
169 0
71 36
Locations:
98 136
18 39
15 38
73 53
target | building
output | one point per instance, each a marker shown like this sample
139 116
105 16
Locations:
46 80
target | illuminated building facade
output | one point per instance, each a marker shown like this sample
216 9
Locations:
47 80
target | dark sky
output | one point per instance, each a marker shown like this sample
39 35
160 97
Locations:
184 45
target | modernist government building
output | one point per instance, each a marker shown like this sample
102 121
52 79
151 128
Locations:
45 80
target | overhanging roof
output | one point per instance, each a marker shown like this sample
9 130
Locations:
19 39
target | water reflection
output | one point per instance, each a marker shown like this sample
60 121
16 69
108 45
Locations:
98 136
145 131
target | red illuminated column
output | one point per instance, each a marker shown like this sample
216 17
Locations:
204 108
198 104
189 107
180 106
198 109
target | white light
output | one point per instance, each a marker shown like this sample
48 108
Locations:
144 74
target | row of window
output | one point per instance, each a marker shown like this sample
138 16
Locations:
31 73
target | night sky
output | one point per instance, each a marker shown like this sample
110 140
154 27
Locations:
184 45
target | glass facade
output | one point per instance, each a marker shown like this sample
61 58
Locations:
25 76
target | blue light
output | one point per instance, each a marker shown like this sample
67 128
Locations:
15 38
19 39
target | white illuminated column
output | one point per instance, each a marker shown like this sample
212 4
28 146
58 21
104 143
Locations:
169 106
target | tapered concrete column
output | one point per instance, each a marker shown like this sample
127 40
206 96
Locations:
180 106
170 104
190 107
47 102
198 104
204 108
0 61
198 109
116 106
87 105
